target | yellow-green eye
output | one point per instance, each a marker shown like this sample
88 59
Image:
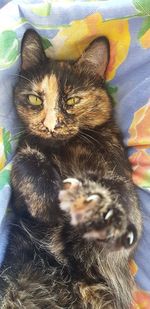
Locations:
34 100
73 101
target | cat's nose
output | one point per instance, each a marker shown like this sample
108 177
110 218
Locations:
58 124
53 122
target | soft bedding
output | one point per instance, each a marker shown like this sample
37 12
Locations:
67 27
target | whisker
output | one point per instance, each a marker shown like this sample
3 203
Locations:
92 130
42 243
16 136
91 137
19 75
2 274
84 138
18 127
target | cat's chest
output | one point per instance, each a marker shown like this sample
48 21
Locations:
77 159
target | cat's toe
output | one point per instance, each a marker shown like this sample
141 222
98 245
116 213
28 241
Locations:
115 231
68 194
92 198
108 215
106 225
71 183
130 237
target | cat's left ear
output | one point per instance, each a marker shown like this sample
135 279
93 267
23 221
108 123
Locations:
32 51
96 57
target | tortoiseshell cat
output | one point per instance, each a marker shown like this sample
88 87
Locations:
77 221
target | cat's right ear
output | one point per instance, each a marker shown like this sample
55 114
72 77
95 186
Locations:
96 57
32 51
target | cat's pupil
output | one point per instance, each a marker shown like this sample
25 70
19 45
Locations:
34 100
73 100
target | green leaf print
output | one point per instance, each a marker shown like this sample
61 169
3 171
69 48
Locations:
46 43
6 141
4 178
143 6
8 48
112 90
145 183
145 27
42 9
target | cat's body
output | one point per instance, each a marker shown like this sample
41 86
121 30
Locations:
77 219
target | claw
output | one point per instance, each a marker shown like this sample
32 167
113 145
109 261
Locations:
93 197
72 182
130 237
108 214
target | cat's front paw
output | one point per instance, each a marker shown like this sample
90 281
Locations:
96 214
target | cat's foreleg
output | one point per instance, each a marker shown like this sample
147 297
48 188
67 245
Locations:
35 184
109 230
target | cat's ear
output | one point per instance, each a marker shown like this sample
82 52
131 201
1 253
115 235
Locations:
96 57
32 51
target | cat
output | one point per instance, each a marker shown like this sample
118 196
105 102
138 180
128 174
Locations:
77 220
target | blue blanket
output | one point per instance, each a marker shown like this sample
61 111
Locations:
66 29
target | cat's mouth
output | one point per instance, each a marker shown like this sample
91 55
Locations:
54 135
62 136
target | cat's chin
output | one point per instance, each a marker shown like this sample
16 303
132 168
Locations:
53 140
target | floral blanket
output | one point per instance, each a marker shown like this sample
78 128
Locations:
67 27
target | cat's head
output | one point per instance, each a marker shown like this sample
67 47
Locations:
57 99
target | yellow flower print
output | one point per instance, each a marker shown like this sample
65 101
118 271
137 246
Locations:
145 39
140 139
5 146
133 267
70 42
140 161
140 129
2 153
141 300
144 33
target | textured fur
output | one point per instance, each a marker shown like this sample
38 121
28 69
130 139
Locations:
69 243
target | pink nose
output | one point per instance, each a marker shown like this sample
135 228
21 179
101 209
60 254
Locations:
58 124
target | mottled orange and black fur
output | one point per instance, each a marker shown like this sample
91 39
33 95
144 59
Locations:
77 221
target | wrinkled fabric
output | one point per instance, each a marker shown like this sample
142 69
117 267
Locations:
66 28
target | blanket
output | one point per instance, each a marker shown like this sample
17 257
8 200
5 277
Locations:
66 28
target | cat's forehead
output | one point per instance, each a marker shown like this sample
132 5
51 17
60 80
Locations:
55 76
64 78
59 68
50 85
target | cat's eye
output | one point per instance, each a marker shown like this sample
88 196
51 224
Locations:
35 100
73 101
